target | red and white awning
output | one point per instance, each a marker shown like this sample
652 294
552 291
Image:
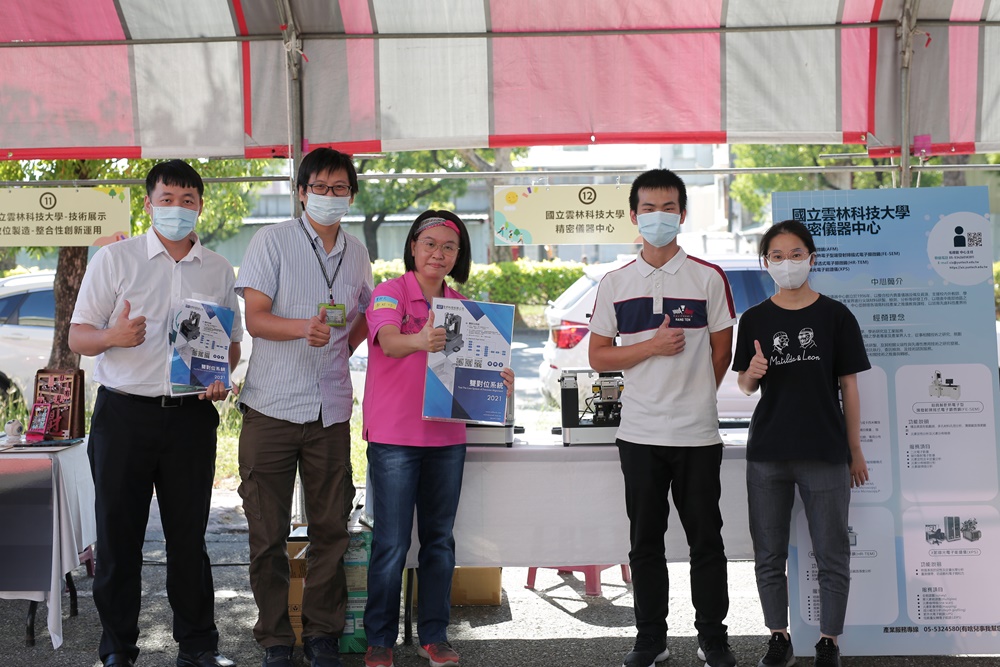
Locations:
210 78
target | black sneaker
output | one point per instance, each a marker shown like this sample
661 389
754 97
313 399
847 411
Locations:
779 652
277 656
715 652
827 653
647 651
322 651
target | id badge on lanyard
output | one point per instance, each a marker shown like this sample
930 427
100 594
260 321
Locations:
334 314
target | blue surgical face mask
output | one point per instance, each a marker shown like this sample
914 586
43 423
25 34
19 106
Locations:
659 228
174 222
327 211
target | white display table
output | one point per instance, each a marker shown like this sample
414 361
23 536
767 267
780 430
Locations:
542 505
549 505
73 523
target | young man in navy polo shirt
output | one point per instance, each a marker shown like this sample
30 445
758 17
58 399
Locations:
674 314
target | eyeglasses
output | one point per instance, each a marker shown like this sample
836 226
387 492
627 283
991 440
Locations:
796 255
448 249
340 189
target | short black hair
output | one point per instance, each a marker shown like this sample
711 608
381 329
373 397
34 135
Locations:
463 263
658 179
174 172
786 227
320 160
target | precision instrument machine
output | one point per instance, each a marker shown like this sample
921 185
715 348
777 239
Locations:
494 434
597 421
943 387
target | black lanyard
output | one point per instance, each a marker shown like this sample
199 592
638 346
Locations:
322 264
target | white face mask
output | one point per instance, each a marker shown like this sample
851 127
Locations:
327 211
658 228
790 274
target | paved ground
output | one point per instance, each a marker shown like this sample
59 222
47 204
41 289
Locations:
554 625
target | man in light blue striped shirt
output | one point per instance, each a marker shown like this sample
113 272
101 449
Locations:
306 283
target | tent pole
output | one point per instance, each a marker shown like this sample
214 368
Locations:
293 59
907 28
293 77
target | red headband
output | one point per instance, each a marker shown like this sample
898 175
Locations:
435 222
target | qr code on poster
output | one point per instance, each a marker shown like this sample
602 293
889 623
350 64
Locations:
974 239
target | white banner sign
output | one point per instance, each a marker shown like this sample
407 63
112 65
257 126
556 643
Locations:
553 214
58 217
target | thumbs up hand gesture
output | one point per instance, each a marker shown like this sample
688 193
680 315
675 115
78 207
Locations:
758 364
666 341
431 339
128 332
317 331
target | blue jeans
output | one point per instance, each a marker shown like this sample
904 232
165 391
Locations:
430 479
825 489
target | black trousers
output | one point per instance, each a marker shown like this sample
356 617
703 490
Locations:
691 474
134 447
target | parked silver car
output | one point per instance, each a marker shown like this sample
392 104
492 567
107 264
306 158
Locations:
569 338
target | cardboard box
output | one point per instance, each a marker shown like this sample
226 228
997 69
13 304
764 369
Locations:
476 586
354 639
297 540
356 558
297 571
472 586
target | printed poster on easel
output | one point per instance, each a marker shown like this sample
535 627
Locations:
915 268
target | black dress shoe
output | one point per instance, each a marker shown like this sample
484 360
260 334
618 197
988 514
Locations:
118 660
203 659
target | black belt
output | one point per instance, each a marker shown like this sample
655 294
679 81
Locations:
162 401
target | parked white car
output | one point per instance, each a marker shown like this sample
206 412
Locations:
358 363
27 320
569 338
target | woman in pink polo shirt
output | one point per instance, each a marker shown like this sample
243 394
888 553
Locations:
413 462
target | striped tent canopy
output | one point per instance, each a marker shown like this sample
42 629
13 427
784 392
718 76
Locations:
250 78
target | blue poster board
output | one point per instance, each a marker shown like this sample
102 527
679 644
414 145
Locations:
915 268
463 381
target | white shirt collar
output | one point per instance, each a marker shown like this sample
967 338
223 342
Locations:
671 267
154 246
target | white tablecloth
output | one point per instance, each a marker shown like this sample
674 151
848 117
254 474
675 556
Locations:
73 528
533 505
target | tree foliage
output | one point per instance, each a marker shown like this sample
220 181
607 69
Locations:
524 281
380 198
753 191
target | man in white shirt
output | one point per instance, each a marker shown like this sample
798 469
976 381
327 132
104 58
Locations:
674 314
142 438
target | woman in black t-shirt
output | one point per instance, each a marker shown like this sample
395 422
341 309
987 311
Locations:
803 351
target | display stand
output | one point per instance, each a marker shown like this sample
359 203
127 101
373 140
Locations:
59 397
